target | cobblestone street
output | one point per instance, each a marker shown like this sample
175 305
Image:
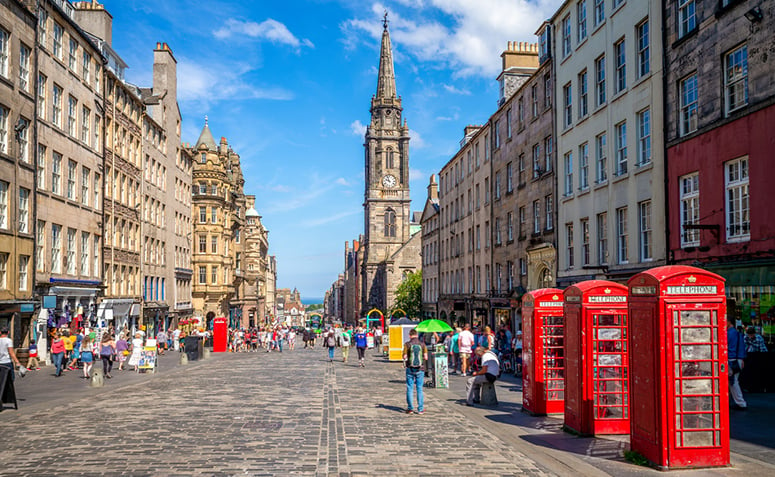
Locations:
290 413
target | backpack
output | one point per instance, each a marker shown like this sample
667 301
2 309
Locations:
345 338
415 355
331 340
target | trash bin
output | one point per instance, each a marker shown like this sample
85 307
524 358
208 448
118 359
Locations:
192 347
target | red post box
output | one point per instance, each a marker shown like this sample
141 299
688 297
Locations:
596 360
220 334
679 403
542 352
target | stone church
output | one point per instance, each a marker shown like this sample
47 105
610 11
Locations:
391 248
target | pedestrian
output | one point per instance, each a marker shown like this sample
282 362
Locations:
735 354
488 372
415 355
87 356
58 352
122 351
68 348
161 342
330 341
754 342
33 362
465 342
360 344
107 351
344 342
176 339
137 348
291 339
7 355
75 354
378 339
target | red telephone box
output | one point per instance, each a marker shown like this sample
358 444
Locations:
542 352
220 334
596 359
678 378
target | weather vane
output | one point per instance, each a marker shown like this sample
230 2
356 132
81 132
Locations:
385 21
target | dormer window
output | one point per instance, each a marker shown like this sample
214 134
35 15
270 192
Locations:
203 158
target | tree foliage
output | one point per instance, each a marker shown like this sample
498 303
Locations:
316 306
409 294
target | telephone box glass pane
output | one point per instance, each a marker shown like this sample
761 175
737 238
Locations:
695 335
697 403
695 318
610 373
553 357
698 439
694 352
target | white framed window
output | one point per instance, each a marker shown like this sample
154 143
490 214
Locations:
5 48
568 161
214 215
583 96
56 248
536 217
56 173
97 187
497 232
59 34
621 148
522 266
496 135
85 183
497 186
737 201
600 92
567 105
24 210
510 226
508 123
71 58
40 246
24 141
549 211
584 223
620 59
509 181
202 275
548 153
566 36
86 67
644 219
96 255
72 107
690 209
24 264
42 95
686 17
24 67
56 107
4 132
569 251
522 222
644 137
581 20
214 275
547 91
85 129
736 78
622 241
521 167
534 100
85 249
599 12
4 217
536 161
601 160
72 172
42 159
97 131
602 238
42 25
689 98
584 166
644 55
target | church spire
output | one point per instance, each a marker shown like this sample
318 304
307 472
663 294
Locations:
386 82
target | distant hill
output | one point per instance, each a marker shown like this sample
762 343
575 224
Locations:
311 301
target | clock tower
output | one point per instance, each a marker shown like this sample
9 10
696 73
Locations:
386 199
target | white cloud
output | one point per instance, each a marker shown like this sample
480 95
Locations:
270 30
462 35
214 82
416 174
416 140
358 128
454 90
342 181
328 219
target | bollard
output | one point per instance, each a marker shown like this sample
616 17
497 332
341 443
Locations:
183 358
489 398
206 353
97 380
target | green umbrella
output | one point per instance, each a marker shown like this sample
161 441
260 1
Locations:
429 326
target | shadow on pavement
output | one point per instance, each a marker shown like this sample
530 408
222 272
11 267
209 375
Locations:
390 408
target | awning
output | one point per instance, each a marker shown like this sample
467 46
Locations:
119 306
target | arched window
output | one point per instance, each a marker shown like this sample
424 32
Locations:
390 223
389 161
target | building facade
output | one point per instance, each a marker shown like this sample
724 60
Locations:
218 208
17 170
429 223
250 269
517 135
387 200
608 119
720 111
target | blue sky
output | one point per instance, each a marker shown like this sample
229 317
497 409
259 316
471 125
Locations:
289 85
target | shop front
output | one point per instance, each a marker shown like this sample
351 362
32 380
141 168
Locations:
118 312
156 318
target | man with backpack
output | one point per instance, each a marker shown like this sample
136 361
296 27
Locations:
415 355
488 372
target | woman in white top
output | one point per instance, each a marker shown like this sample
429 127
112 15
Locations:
137 347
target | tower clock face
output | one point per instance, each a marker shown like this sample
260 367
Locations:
389 181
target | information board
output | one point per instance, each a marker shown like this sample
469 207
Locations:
148 358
